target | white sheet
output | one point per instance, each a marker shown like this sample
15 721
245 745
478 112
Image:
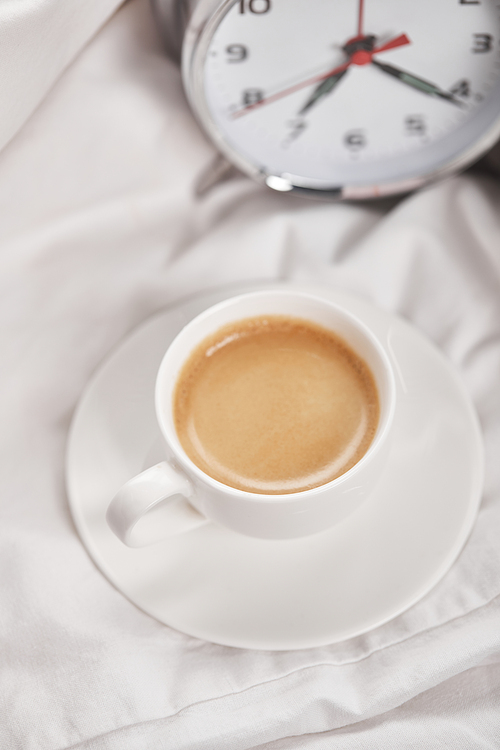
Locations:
100 229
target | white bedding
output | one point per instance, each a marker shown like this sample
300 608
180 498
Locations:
99 229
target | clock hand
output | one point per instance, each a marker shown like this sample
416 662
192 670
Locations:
324 88
417 83
360 51
360 17
397 41
357 52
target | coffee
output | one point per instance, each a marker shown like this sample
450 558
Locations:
274 405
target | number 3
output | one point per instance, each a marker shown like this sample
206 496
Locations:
482 42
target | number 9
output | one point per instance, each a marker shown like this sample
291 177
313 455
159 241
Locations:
236 53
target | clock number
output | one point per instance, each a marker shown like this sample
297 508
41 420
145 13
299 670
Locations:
355 140
461 88
482 42
297 127
252 96
236 53
415 125
255 6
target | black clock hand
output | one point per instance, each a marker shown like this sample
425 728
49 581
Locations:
324 88
417 83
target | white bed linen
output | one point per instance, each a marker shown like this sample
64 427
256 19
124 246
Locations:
99 229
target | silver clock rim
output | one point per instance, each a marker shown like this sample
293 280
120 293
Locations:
205 18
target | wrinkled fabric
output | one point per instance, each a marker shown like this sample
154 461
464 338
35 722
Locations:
38 39
101 228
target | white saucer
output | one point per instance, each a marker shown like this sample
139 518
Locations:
233 590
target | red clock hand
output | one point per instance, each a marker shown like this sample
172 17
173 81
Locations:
361 10
398 41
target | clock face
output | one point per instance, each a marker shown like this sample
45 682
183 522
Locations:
328 93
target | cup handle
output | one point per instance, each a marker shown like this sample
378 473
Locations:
153 506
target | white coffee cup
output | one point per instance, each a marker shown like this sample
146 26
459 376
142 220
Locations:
175 495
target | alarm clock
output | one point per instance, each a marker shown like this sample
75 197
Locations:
345 99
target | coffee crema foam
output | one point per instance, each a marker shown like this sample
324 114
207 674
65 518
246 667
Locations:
275 405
